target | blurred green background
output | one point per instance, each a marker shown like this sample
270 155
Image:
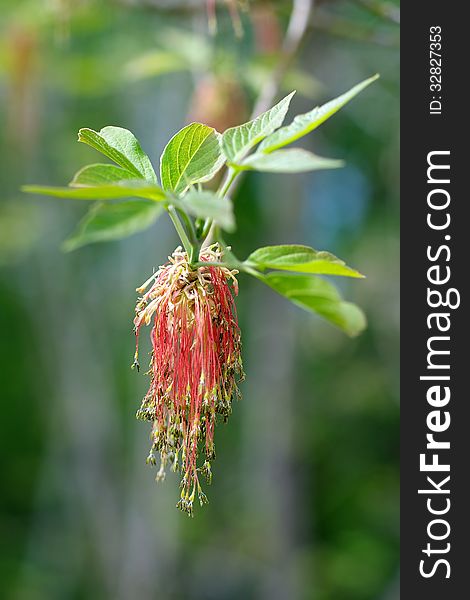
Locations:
304 503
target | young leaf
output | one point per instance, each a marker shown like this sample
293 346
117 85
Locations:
293 160
303 124
122 147
98 174
121 189
106 222
302 259
206 204
238 141
318 296
192 155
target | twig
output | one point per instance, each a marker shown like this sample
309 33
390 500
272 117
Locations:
386 10
298 25
350 30
296 30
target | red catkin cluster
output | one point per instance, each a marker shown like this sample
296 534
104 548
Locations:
195 363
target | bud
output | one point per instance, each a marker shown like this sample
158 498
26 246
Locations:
195 363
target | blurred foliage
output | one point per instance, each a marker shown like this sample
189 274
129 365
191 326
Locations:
305 503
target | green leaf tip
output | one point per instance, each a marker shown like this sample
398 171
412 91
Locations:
292 160
301 259
318 296
307 122
137 188
238 141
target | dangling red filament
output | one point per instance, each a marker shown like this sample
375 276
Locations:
195 365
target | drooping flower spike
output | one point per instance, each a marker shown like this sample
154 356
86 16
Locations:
195 363
195 360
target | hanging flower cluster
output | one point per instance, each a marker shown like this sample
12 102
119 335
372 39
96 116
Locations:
195 363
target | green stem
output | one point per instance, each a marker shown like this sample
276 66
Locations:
227 183
209 229
195 245
181 232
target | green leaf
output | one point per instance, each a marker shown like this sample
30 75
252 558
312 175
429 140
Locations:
98 174
303 124
238 141
192 155
121 189
318 296
294 160
206 204
106 222
302 259
122 147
